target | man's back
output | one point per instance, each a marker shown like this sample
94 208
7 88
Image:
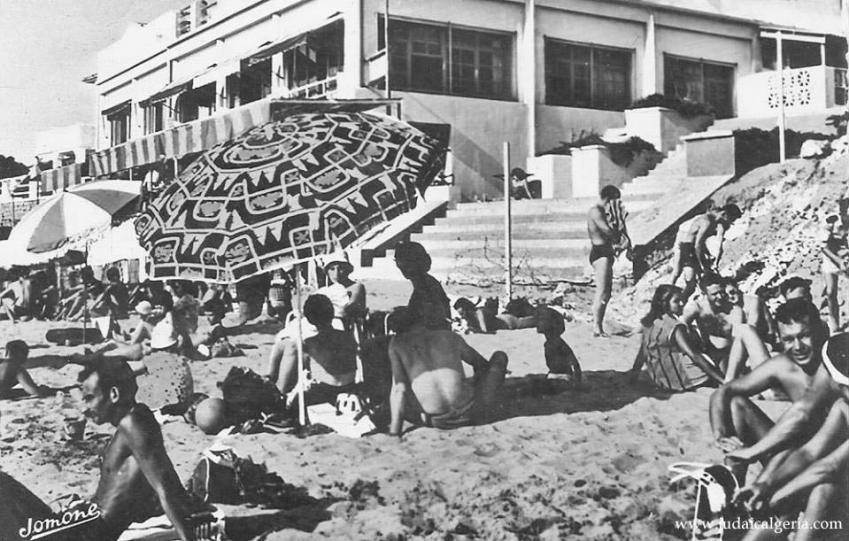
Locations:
335 353
123 493
596 215
432 360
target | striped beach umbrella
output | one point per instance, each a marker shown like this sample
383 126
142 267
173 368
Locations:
72 215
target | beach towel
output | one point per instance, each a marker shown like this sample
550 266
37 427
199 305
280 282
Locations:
615 214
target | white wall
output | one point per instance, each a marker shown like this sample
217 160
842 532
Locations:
478 131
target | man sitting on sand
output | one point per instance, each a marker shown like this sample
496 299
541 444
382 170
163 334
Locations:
429 385
693 256
414 262
330 355
810 477
725 338
12 372
135 473
742 429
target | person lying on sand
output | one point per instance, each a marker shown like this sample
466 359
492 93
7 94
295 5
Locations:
725 338
742 429
429 386
12 372
477 318
136 475
673 359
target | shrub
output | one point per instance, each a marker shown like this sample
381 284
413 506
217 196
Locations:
755 147
622 154
685 108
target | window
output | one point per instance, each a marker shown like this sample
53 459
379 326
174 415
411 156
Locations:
448 60
197 103
154 117
118 118
700 81
587 76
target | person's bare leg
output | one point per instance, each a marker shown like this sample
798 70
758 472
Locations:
750 425
603 268
272 370
830 279
746 345
488 386
288 366
689 274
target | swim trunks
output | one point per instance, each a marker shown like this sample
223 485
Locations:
453 418
687 251
600 250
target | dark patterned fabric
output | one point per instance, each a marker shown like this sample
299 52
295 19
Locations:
286 192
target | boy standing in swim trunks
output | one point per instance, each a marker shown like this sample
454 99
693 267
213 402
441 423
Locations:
605 241
834 251
693 256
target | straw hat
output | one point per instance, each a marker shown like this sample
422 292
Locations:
144 308
162 336
338 258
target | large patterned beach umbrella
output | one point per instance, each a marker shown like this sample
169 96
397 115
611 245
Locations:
316 178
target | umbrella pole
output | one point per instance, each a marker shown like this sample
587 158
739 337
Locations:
85 296
302 409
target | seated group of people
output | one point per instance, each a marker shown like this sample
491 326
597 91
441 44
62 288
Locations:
731 341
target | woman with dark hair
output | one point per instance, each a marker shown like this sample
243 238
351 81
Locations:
414 262
673 360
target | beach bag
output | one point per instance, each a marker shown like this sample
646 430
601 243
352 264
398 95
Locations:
715 489
214 479
248 394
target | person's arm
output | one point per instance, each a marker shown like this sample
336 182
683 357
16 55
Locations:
639 361
701 250
720 233
785 466
356 306
149 452
470 356
679 335
27 384
825 470
600 221
793 422
400 388
756 381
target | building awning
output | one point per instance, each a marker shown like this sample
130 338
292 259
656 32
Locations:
215 72
118 108
171 89
269 49
183 139
54 180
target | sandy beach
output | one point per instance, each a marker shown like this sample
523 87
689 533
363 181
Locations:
558 462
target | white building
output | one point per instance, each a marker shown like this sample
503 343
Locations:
531 72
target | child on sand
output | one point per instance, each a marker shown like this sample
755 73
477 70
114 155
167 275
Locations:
12 372
674 362
559 357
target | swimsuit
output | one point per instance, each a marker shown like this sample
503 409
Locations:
600 250
688 256
464 415
834 237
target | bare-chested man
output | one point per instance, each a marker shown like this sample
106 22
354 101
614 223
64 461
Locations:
429 385
742 429
606 242
693 256
135 472
725 338
811 477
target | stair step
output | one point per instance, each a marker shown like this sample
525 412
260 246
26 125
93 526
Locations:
488 251
472 247
556 231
